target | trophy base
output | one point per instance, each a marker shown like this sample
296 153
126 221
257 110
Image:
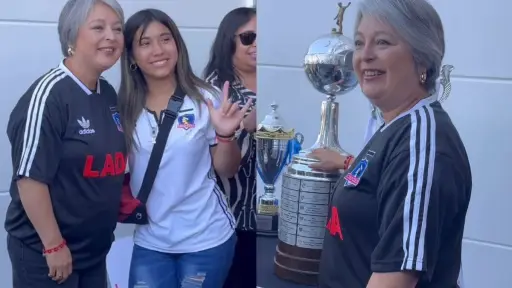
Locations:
305 202
267 225
298 265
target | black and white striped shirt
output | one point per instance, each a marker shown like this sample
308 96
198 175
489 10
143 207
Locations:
241 189
402 205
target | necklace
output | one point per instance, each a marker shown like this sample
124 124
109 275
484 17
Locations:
153 128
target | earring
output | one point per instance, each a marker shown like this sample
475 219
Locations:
423 78
70 51
133 66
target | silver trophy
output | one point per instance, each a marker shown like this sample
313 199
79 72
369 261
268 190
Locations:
272 138
306 193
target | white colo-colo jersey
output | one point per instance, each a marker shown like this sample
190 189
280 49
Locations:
187 211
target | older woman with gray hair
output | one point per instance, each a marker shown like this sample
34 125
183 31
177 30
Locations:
68 157
397 216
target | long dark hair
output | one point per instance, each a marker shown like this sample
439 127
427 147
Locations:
133 89
224 45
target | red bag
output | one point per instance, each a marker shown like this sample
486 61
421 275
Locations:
132 210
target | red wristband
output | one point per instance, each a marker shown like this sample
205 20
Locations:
54 249
347 162
225 140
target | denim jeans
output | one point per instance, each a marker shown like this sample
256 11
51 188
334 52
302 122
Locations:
204 269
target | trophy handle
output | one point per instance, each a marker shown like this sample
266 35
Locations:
299 138
446 70
294 147
376 113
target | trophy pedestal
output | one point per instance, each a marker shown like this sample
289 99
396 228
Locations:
299 265
267 219
267 225
305 202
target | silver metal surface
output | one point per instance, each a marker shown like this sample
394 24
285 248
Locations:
272 138
328 64
305 199
271 156
446 70
306 193
328 135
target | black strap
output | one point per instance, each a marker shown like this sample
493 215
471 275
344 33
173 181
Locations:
169 116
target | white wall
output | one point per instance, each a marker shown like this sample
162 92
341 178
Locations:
478 45
30 47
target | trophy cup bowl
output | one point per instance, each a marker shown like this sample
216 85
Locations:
328 64
306 193
272 150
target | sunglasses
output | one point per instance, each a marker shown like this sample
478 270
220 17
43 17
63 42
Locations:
247 38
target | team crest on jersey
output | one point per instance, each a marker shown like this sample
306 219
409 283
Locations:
353 178
117 120
187 121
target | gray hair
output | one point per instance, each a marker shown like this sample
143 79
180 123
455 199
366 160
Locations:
74 14
418 23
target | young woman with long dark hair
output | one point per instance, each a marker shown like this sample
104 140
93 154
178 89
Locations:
190 236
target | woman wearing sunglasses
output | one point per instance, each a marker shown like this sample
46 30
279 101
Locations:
233 59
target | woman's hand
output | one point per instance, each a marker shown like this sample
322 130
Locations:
60 264
228 117
329 160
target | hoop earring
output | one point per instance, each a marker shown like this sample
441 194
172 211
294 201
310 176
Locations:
423 78
70 51
133 66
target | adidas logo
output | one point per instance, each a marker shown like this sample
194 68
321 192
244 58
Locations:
85 124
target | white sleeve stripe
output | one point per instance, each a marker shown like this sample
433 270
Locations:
429 179
421 167
29 118
34 119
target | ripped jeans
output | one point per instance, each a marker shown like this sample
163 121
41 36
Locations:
203 269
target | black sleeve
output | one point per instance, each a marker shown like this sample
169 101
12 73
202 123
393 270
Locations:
35 132
417 195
